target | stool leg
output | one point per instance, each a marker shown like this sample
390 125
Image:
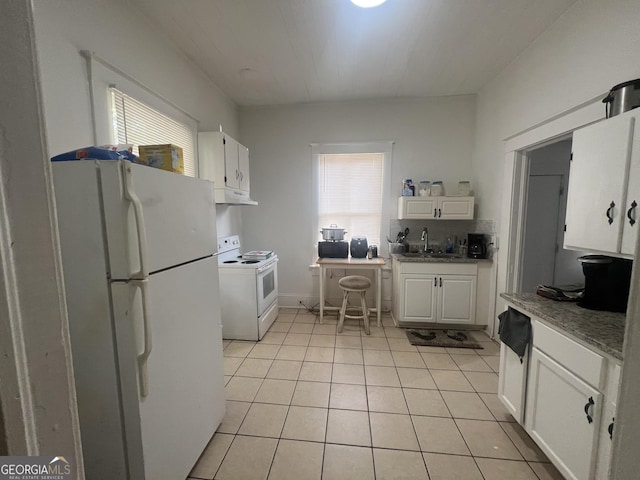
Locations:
365 312
343 311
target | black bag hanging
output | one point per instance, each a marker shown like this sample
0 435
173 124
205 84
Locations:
515 331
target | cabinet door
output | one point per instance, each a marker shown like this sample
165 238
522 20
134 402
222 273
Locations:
455 208
243 167
457 299
232 172
417 207
557 409
597 183
418 297
631 209
512 382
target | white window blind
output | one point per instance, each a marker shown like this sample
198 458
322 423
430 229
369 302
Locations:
139 124
350 193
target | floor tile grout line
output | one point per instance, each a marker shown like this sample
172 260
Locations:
475 390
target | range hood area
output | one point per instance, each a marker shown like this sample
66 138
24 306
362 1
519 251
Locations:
229 196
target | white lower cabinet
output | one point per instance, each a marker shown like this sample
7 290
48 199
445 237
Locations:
435 292
563 416
512 382
564 395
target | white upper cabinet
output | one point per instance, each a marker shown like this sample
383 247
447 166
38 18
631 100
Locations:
436 208
604 183
226 162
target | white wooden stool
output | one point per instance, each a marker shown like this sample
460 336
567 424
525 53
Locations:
356 284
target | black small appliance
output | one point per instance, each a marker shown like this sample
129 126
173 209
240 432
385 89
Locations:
329 249
359 247
606 283
477 245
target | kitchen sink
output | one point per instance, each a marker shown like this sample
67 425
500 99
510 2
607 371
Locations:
431 255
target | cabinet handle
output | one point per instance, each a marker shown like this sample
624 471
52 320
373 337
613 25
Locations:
632 220
435 281
441 281
435 213
439 212
609 213
588 409
610 429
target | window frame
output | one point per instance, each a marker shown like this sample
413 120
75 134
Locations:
384 147
102 77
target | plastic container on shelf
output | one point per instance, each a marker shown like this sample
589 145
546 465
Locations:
464 188
408 189
437 189
424 188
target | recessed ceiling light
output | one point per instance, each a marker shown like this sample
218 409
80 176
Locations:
368 3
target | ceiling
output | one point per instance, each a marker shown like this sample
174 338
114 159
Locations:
269 52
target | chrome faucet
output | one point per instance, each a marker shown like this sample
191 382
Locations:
425 239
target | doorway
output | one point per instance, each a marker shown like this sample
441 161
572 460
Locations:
544 261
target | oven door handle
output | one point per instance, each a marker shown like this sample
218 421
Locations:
268 266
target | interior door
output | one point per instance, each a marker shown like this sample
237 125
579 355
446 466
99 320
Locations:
177 213
169 427
541 231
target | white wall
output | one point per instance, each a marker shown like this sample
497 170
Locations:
433 140
122 36
592 47
37 394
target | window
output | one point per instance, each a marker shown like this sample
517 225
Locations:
350 193
139 124
127 111
351 183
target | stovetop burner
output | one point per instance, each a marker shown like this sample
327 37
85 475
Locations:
229 255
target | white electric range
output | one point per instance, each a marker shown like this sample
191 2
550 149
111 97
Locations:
248 290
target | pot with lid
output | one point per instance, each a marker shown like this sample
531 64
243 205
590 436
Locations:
624 96
333 233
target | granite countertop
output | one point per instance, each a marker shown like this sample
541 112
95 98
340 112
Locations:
452 259
602 330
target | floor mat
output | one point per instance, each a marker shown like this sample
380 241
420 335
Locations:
441 338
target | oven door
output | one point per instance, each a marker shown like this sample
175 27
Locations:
267 286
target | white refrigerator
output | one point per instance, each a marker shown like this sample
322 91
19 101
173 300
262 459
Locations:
141 280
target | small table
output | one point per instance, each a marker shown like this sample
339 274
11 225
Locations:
351 264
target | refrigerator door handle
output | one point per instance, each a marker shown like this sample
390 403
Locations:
130 194
144 356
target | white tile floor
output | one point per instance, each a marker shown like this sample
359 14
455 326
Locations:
307 403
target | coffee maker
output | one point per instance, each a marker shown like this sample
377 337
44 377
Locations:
477 245
606 283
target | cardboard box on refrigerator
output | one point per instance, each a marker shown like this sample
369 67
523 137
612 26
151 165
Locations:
167 157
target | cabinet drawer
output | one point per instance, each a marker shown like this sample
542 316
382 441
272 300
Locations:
583 362
439 268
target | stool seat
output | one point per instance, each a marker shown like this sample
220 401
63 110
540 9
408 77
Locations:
355 284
